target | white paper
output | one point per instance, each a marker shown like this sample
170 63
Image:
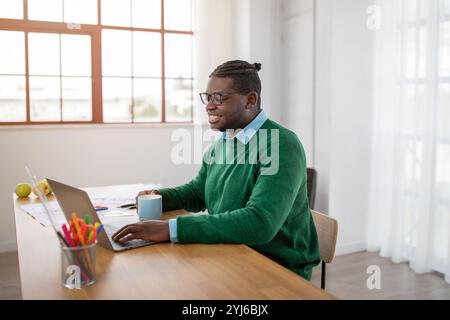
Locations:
37 211
111 197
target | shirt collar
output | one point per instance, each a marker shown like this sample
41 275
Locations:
249 131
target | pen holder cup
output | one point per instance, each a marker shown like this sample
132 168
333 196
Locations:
78 266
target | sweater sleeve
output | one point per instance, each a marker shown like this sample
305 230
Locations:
190 196
264 213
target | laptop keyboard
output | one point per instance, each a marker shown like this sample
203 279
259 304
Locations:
110 230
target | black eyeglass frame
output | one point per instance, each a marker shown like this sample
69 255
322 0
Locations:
216 96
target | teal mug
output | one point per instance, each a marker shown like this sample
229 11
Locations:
150 207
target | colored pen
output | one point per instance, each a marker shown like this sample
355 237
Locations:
80 236
91 233
62 239
100 228
67 234
84 232
77 228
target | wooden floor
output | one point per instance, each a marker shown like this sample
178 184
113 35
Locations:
346 279
9 276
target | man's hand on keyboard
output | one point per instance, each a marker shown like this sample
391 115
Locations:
154 230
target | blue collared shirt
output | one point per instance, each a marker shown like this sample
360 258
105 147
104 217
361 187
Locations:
243 136
249 131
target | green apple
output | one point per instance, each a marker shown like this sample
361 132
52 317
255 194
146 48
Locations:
23 190
44 187
48 185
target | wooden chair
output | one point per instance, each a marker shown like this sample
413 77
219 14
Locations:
327 229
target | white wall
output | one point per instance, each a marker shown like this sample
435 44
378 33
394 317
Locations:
335 123
85 156
257 38
352 72
214 43
298 71
245 30
323 83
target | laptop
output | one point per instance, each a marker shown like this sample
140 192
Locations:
71 199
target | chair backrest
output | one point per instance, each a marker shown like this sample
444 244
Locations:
311 175
327 229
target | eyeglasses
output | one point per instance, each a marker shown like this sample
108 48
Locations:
215 98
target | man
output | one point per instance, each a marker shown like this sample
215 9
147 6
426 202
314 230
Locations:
252 198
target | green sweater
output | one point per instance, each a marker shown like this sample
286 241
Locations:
260 200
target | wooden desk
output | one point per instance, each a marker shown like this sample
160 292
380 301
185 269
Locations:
160 271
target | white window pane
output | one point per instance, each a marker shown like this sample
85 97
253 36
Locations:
117 99
43 53
45 99
116 13
444 64
75 55
409 104
179 100
80 11
441 218
424 9
147 100
410 53
442 168
146 54
76 99
12 60
178 15
11 9
443 112
415 61
12 99
412 166
146 14
440 233
116 53
178 51
445 6
410 8
444 101
423 52
46 10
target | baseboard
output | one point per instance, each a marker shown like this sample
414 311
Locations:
7 247
350 248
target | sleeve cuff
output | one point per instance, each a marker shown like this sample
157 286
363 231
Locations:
173 230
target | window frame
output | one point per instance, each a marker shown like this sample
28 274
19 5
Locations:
95 32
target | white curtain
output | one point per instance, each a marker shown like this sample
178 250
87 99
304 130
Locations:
409 215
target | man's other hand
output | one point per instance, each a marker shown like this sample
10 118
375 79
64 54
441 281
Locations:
143 193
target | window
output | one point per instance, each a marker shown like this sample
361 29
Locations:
410 180
96 61
12 77
426 91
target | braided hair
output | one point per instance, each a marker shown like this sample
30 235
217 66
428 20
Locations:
245 76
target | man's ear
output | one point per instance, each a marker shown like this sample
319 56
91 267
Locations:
252 100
